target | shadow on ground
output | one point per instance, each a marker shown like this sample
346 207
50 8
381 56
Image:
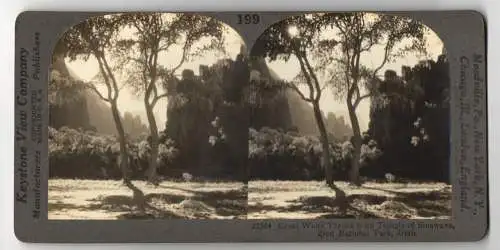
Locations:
230 204
433 204
171 202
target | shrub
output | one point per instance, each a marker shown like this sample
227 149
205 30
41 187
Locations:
272 155
88 155
279 155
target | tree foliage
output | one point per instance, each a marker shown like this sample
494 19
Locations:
330 48
347 67
96 37
86 154
152 35
296 36
414 132
144 38
287 155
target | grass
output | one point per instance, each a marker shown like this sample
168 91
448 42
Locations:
108 200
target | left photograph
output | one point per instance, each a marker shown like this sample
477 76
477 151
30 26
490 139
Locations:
144 123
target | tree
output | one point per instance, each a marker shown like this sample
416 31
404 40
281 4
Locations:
298 36
413 132
359 34
155 34
95 37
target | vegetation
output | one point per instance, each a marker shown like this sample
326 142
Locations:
273 155
329 48
87 155
276 155
153 35
410 120
96 38
237 121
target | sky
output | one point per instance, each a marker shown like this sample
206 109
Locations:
131 102
288 71
128 101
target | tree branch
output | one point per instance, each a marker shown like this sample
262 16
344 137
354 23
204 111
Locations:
155 91
355 66
169 38
304 71
145 68
358 93
153 64
355 70
113 80
371 42
94 89
316 82
144 76
105 76
337 24
157 98
148 91
185 49
308 78
138 27
150 58
359 99
297 90
347 71
386 57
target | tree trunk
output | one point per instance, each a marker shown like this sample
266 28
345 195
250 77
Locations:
154 144
340 195
123 160
325 161
356 143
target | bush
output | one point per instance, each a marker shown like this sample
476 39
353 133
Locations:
289 156
272 155
88 155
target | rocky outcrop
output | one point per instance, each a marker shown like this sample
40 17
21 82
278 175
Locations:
70 105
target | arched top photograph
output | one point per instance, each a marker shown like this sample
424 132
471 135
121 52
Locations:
132 97
363 102
172 115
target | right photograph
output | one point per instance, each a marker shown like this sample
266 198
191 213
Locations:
350 118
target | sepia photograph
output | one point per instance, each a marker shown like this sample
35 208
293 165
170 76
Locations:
140 105
173 116
351 119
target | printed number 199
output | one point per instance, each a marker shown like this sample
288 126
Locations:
248 19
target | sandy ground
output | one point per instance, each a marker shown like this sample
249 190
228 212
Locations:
309 200
109 200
